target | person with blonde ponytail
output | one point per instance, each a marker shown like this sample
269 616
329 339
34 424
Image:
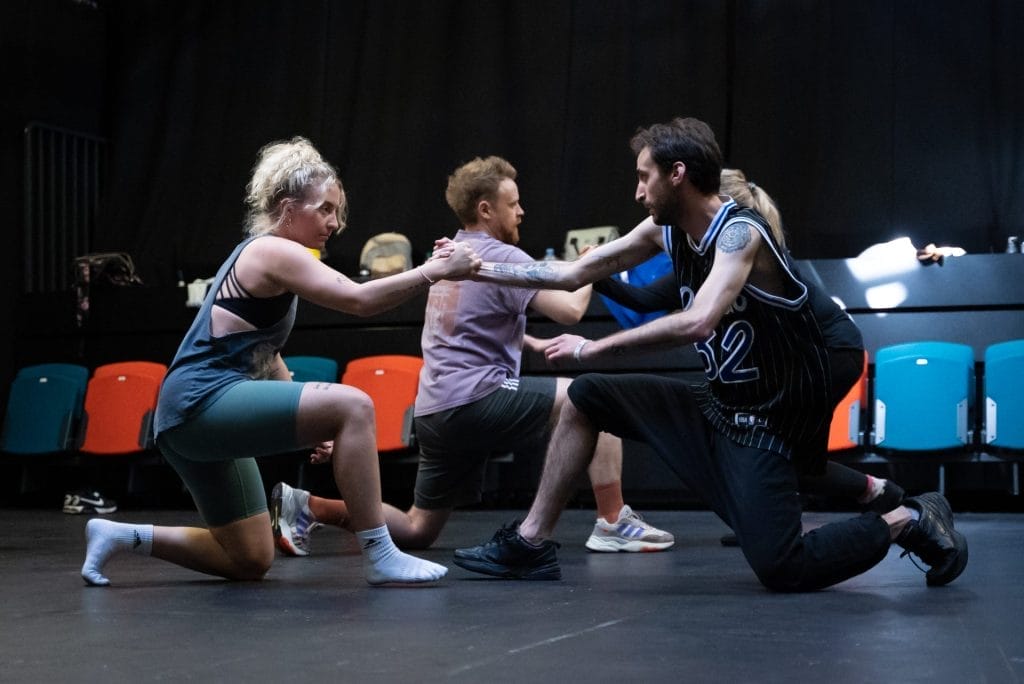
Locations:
228 396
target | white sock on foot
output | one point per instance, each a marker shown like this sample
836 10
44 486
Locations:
104 538
874 489
385 563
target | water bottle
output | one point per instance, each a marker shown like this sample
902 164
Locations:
549 254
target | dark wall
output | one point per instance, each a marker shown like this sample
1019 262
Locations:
865 120
53 70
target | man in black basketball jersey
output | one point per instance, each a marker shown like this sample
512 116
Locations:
738 439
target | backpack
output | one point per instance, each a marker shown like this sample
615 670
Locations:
110 268
386 254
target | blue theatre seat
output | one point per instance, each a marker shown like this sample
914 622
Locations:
1004 395
924 392
44 409
312 368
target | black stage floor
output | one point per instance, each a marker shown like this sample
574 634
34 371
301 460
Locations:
694 613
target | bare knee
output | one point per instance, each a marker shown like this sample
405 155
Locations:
571 414
252 564
422 528
326 409
416 540
356 408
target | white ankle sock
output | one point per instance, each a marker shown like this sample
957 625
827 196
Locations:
385 563
104 538
874 489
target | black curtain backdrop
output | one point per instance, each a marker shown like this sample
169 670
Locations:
866 120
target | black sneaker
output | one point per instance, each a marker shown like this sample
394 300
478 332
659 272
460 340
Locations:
510 556
88 501
890 499
933 539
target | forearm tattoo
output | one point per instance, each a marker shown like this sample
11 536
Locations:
529 273
735 237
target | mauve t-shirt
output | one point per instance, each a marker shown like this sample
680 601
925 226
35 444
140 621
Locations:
472 332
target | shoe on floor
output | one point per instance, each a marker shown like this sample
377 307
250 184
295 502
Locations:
510 556
291 519
729 540
629 533
88 501
933 539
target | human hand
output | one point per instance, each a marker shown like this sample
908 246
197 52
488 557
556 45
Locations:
443 248
929 254
459 262
566 349
536 344
322 452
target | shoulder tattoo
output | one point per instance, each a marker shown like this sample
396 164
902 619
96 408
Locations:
735 237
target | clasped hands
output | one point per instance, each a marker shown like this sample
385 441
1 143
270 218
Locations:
461 260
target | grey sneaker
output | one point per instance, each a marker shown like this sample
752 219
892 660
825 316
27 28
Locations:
629 533
291 519
933 539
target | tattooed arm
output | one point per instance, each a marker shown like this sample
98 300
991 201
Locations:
634 247
735 254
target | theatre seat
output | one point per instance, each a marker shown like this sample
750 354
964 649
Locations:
312 368
923 395
151 369
845 432
44 409
1004 395
119 409
391 380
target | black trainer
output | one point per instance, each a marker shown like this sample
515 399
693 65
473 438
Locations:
510 556
890 499
933 539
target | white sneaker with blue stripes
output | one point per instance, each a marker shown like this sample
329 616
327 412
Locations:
629 533
291 520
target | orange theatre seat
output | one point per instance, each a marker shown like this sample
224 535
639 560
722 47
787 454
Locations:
119 410
391 380
845 432
150 369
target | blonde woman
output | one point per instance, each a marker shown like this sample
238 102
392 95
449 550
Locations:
228 397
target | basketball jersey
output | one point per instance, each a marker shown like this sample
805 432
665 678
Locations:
766 365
